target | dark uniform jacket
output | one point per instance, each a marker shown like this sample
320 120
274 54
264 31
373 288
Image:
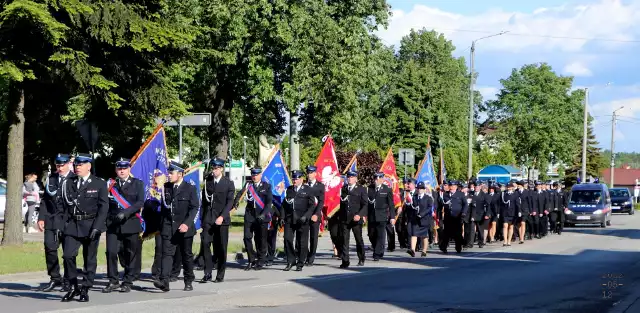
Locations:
455 205
478 206
51 209
89 206
180 206
317 190
421 212
252 210
299 203
132 190
381 206
217 200
539 200
525 202
352 203
511 205
492 203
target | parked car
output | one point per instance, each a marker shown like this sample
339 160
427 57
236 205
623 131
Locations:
589 204
621 201
3 202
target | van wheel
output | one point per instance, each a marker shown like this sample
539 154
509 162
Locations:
609 223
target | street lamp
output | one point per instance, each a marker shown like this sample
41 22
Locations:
584 134
471 83
244 159
613 130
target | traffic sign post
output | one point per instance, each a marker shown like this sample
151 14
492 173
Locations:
195 119
407 157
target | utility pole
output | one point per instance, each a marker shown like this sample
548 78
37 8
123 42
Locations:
293 141
613 131
471 97
584 137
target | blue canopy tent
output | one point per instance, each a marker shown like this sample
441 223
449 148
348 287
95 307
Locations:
499 173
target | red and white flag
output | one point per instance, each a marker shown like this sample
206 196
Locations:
329 175
391 178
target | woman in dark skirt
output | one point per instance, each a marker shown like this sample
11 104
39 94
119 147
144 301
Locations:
420 219
509 212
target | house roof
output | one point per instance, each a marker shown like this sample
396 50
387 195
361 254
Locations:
621 176
499 170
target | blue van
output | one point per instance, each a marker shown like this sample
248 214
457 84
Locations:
589 204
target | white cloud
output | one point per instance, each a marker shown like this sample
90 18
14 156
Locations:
488 92
630 108
577 69
610 19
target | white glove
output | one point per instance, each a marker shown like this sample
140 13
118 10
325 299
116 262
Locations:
472 219
519 214
498 215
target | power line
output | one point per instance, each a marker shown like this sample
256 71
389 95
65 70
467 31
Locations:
536 35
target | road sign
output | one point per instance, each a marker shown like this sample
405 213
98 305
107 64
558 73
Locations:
407 156
195 119
236 164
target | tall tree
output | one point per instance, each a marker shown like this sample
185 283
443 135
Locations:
538 113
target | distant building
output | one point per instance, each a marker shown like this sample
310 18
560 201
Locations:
624 176
499 173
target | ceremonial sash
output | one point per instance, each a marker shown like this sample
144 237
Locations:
256 198
124 204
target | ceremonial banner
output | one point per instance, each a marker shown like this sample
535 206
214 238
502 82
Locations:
329 175
426 173
192 176
353 164
443 170
149 164
391 178
276 174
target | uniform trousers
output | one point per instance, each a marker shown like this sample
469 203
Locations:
469 231
554 219
130 244
452 229
89 254
391 236
301 233
335 232
218 235
314 232
345 236
377 232
543 225
173 246
156 268
272 239
533 223
259 229
51 245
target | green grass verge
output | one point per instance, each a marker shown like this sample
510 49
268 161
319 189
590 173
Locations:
30 256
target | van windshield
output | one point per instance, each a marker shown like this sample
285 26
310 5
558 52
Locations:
586 197
620 193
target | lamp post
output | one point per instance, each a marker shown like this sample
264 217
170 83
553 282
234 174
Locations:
471 83
613 130
583 174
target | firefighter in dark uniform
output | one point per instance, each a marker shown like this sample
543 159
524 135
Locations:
510 212
524 211
444 190
455 208
491 199
257 216
217 201
402 222
539 200
179 210
86 203
317 189
480 216
500 190
544 219
556 207
123 226
381 210
469 229
300 204
51 219
353 210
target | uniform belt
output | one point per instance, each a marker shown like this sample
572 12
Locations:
82 217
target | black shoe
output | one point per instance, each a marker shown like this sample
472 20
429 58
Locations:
71 294
111 287
309 264
248 267
206 278
161 285
155 277
84 294
288 267
459 249
481 245
376 259
521 242
361 263
51 286
268 263
423 254
259 267
344 265
444 250
391 250
219 280
199 268
188 286
411 253
173 279
298 268
66 287
125 288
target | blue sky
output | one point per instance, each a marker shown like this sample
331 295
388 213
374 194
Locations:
609 68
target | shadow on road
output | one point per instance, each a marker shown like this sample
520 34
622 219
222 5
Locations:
621 233
493 282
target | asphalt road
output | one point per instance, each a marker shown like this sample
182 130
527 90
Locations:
565 273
